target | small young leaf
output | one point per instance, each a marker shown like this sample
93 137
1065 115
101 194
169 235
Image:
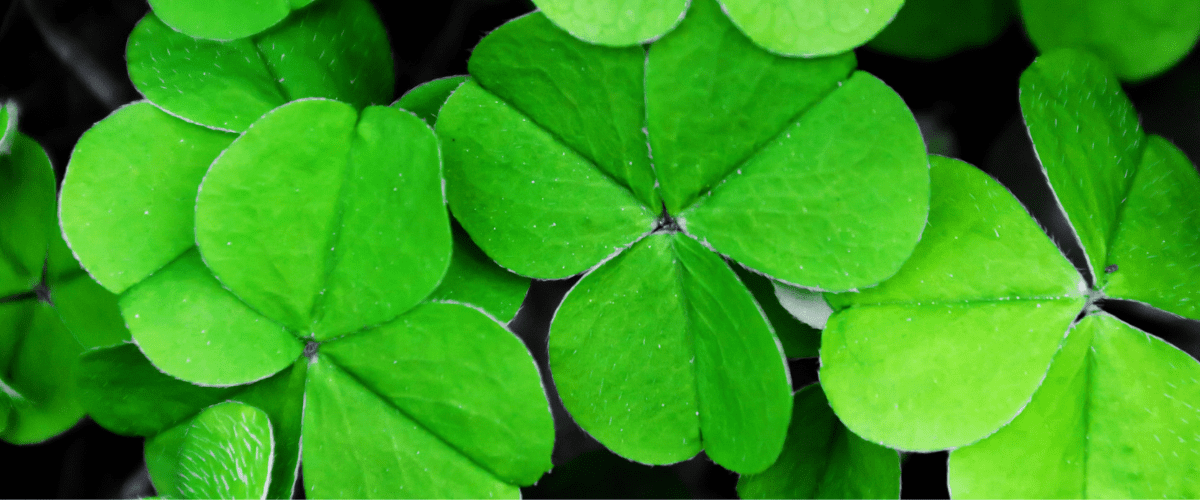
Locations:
697 359
1116 418
316 246
192 328
933 29
614 22
983 302
338 49
1088 139
227 453
221 19
1156 246
38 360
811 27
1137 39
426 100
823 459
129 196
27 189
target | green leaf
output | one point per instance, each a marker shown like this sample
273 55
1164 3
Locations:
813 217
1137 39
315 246
474 279
89 311
8 126
129 196
983 302
221 19
934 29
822 459
510 182
228 452
27 188
38 360
799 340
1116 418
192 328
811 27
696 359
1155 251
1088 139
383 397
426 99
808 306
337 49
614 22
714 99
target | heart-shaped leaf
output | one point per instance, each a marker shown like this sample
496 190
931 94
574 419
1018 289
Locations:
337 49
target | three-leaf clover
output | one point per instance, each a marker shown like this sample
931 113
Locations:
44 298
642 166
337 49
318 235
954 346
224 19
1137 39
790 27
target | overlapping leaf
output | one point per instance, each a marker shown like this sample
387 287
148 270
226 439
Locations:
223 19
1137 39
337 49
791 27
933 29
768 160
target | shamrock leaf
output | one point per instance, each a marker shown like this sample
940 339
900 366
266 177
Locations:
822 459
336 49
933 29
223 19
320 252
549 170
799 338
1116 417
38 349
789 27
1137 39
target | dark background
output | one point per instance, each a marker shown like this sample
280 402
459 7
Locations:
63 62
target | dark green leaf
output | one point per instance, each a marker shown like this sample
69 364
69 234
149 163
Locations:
89 311
810 27
799 340
474 279
615 22
27 189
933 29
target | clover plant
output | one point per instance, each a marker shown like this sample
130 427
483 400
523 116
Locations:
1138 39
641 166
986 301
223 19
48 306
808 28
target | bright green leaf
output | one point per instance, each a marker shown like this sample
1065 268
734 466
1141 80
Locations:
789 195
474 279
89 311
426 100
337 49
697 358
1155 254
799 340
614 22
227 452
933 29
492 411
1088 140
1117 417
823 459
983 302
316 246
221 19
192 328
129 196
714 99
1137 39
8 126
27 188
534 189
38 360
811 27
